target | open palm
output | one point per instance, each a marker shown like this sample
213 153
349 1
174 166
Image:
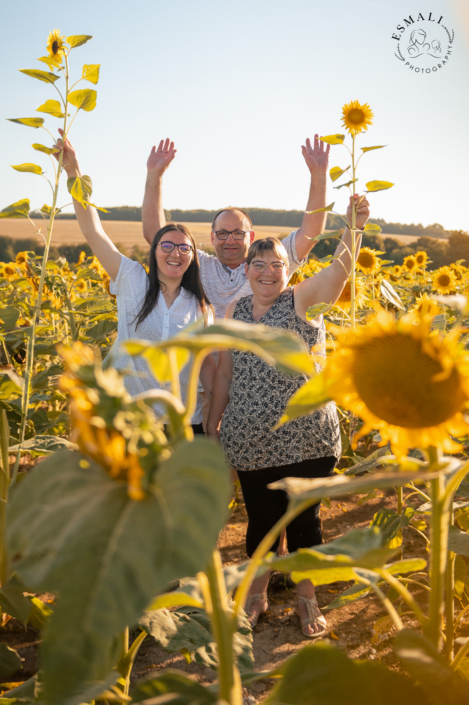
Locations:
161 158
317 157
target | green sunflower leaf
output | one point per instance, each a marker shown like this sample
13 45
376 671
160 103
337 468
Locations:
16 210
28 168
373 186
91 73
333 139
77 40
42 148
51 107
40 75
336 172
84 99
29 122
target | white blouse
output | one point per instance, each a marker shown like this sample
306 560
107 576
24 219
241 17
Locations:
162 323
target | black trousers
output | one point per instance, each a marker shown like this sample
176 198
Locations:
196 427
265 507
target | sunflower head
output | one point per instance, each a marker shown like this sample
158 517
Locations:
122 437
368 261
444 280
82 257
356 117
80 285
421 258
409 264
403 380
9 270
361 294
56 45
21 258
424 306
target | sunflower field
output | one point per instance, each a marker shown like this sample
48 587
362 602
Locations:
117 518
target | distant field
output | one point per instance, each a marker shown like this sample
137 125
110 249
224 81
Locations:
130 234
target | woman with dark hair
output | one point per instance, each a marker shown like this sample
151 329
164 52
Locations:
249 397
153 306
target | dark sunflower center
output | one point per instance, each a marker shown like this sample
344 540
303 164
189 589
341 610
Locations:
365 259
444 280
394 377
420 259
410 264
55 46
356 116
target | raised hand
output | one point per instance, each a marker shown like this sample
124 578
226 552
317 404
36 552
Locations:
70 157
161 158
363 211
317 157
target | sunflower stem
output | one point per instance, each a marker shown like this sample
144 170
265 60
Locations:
449 596
354 219
37 312
438 552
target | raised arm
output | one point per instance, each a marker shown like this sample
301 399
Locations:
317 161
88 220
153 217
326 286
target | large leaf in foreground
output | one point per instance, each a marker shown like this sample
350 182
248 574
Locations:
302 490
184 690
277 347
319 674
74 530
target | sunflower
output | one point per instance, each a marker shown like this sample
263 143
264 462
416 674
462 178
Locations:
459 270
409 264
356 117
403 380
9 271
424 306
21 258
94 437
397 269
421 258
80 285
368 262
444 280
55 45
361 294
82 257
295 278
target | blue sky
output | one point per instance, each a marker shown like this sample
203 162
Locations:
239 86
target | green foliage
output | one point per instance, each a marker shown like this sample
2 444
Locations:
320 674
172 682
138 547
9 661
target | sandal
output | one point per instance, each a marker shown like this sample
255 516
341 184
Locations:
315 616
252 619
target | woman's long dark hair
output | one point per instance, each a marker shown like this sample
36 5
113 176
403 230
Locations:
190 279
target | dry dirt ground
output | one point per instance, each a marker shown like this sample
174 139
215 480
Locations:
130 233
277 634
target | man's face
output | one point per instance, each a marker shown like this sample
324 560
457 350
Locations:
232 252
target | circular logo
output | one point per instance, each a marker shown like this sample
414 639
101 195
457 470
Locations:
424 43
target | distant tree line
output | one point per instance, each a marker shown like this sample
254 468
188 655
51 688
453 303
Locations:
269 216
440 252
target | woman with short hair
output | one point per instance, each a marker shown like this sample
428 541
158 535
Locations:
249 397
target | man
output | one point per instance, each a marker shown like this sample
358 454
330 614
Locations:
223 276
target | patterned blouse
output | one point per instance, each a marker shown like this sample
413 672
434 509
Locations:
259 394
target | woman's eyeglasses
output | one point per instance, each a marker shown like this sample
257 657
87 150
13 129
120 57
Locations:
260 267
168 246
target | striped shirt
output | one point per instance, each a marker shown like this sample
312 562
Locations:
224 285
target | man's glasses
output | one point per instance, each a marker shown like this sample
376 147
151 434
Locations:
260 267
237 234
168 246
